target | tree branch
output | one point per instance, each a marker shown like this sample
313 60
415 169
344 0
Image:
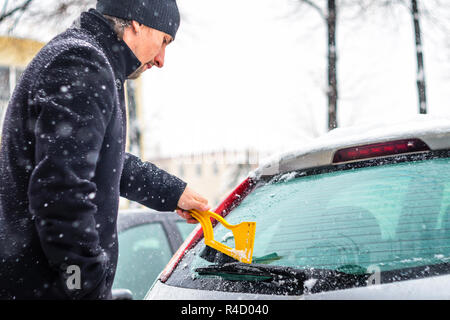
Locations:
316 7
22 8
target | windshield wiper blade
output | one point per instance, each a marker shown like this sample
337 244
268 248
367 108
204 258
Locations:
242 268
235 271
256 272
323 279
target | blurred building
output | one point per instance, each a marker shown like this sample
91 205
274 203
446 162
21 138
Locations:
214 174
15 54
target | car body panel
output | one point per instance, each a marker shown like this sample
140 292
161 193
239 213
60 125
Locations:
320 152
435 132
432 288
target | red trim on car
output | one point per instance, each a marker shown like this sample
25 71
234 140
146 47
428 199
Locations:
234 198
380 150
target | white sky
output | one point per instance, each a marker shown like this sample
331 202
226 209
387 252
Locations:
252 73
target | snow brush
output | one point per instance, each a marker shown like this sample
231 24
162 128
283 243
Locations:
244 235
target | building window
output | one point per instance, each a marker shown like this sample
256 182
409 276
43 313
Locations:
134 130
18 74
9 76
4 91
4 83
181 171
215 169
199 170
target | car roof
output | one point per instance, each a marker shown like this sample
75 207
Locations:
434 131
131 218
128 218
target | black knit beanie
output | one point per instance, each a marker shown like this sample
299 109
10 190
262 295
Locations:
162 15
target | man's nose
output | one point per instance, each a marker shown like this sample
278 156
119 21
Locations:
159 59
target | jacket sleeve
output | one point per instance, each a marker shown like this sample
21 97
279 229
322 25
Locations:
152 187
72 101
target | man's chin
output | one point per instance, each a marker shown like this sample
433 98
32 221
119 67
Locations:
137 73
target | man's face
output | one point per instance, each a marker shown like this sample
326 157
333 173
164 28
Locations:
149 46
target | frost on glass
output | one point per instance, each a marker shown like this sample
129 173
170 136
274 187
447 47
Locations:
144 252
391 217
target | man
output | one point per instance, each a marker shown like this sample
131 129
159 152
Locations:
63 163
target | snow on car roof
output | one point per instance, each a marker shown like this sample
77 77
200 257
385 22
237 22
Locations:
434 131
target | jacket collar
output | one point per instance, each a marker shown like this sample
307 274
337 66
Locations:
124 61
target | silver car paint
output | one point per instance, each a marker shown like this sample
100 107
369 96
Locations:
435 132
433 288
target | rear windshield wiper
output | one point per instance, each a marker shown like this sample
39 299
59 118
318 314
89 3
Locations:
313 280
243 271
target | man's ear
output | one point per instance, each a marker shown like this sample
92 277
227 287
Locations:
136 26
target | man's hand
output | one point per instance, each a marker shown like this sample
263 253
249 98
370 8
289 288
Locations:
191 200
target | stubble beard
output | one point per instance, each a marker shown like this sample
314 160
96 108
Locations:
137 73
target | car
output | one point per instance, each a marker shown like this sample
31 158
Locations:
147 241
360 213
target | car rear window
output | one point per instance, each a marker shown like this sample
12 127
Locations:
390 217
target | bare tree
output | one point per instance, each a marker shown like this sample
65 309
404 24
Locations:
18 8
413 7
57 13
419 13
329 16
419 54
57 8
332 62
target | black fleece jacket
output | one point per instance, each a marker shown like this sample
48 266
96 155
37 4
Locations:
63 167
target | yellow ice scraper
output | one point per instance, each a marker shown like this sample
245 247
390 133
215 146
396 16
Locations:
244 236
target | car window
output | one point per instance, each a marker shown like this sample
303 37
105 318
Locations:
391 216
143 252
185 228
